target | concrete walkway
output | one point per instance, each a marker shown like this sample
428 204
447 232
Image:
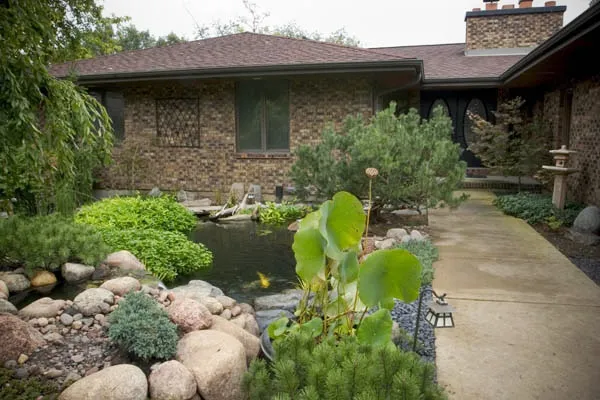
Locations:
527 320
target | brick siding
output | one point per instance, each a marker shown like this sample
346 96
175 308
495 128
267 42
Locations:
143 161
511 31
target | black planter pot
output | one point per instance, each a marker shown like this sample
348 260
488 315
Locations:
267 346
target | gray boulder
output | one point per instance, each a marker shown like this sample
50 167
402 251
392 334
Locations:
385 244
171 380
7 307
265 317
93 301
218 362
4 292
196 289
396 233
122 286
250 342
588 220
283 301
155 192
15 282
587 239
44 307
119 382
74 273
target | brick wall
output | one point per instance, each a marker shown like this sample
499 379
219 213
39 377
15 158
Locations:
143 161
512 30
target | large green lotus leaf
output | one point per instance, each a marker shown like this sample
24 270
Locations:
342 223
309 251
376 329
389 274
348 267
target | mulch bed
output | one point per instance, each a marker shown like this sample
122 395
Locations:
586 258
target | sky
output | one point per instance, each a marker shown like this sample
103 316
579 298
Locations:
375 23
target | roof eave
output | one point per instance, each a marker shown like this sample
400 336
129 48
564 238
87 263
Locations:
255 71
461 83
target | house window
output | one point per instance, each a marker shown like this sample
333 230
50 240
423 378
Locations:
114 102
566 106
439 103
177 122
263 116
475 107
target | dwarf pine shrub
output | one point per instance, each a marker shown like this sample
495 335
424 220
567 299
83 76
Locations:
142 328
340 369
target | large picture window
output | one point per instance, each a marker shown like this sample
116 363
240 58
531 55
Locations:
475 107
114 102
263 116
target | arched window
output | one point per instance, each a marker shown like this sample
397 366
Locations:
437 103
475 107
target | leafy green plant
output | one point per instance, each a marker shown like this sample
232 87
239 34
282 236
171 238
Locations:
329 256
277 214
47 242
426 253
161 213
142 328
537 208
344 369
13 388
165 254
417 160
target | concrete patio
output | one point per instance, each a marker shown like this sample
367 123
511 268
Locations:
527 320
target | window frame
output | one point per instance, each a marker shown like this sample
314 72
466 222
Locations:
263 122
465 117
102 95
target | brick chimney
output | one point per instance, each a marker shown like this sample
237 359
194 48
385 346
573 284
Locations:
511 30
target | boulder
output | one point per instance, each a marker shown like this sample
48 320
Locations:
18 337
155 192
587 239
43 278
250 342
213 305
396 233
44 307
416 235
15 282
218 362
7 307
171 380
251 325
189 315
197 289
284 301
226 301
4 292
385 244
122 286
588 220
246 308
93 301
119 382
74 273
265 317
125 261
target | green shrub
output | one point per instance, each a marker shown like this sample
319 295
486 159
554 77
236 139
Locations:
340 370
48 242
142 328
418 162
426 253
165 254
277 214
537 208
161 213
12 388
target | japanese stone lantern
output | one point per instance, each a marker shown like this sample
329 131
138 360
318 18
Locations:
560 171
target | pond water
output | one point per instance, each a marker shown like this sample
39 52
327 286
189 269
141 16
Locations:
241 250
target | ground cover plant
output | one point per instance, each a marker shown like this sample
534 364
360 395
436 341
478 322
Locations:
537 208
426 253
142 328
165 254
277 214
47 242
417 160
341 369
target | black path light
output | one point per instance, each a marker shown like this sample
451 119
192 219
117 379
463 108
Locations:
439 313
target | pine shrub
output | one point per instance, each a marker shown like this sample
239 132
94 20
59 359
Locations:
341 370
165 254
142 328
47 242
13 388
161 213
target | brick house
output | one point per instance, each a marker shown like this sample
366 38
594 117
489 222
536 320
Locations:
204 114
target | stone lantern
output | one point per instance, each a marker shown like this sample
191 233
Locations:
560 171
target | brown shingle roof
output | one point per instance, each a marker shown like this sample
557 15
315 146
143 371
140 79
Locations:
232 51
448 61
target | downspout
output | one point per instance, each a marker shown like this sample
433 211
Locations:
379 94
